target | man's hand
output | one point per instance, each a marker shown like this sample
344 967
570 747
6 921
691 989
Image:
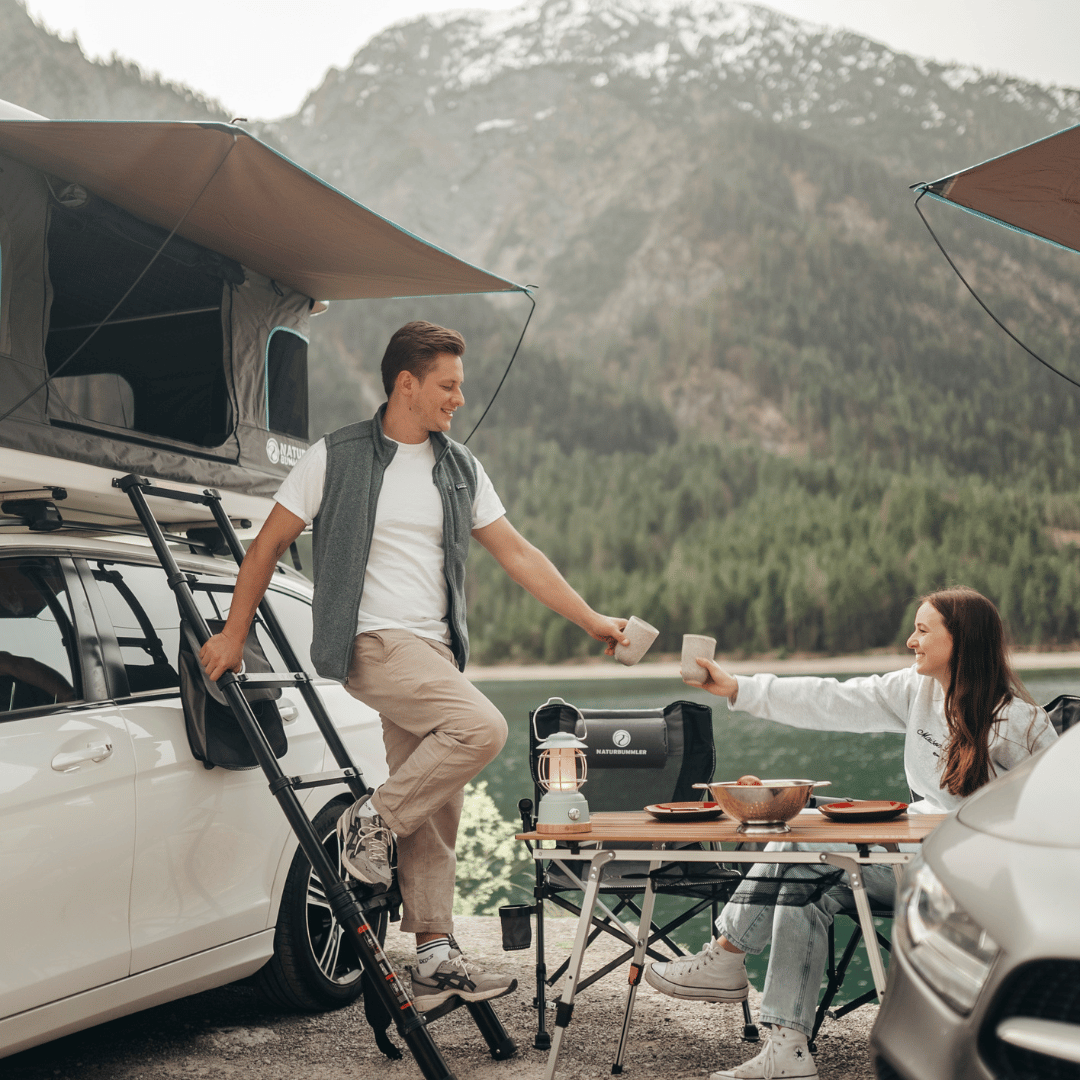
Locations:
221 654
609 631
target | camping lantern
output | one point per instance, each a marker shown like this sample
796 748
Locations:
561 770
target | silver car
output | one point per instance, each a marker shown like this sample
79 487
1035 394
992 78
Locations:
985 976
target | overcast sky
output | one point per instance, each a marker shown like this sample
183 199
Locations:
260 57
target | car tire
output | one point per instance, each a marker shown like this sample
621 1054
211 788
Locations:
314 967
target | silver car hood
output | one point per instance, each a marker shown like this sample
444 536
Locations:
1035 803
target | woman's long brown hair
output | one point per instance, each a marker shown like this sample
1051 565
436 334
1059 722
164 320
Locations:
981 684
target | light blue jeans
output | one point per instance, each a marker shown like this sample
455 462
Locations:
798 933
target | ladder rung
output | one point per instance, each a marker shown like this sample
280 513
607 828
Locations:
310 780
126 483
254 682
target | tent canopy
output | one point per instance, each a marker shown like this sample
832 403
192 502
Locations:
258 207
183 357
1033 190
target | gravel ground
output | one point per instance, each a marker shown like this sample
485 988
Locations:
228 1034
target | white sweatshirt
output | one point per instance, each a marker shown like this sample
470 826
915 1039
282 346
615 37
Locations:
902 701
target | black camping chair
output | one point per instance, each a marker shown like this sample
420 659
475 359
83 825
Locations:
678 752
1064 712
836 970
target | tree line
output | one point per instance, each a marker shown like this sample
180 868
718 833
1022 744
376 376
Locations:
767 553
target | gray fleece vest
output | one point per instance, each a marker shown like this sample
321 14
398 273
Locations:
356 460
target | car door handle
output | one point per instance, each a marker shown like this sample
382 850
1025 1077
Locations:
289 712
71 761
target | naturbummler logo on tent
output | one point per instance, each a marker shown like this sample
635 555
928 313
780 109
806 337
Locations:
282 453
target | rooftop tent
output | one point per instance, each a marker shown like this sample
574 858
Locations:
200 376
1033 190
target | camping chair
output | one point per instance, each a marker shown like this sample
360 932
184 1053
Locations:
673 751
836 970
1064 712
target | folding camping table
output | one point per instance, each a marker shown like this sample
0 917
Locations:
642 838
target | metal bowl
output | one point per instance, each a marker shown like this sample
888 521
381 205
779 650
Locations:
764 808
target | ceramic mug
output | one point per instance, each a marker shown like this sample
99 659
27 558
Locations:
693 646
641 636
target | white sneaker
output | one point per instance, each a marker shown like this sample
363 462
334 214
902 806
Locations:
713 975
785 1056
367 845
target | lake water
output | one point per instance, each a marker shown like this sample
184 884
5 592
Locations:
859 766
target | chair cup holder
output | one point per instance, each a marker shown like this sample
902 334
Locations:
516 922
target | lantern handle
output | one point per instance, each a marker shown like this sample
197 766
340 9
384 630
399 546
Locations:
568 715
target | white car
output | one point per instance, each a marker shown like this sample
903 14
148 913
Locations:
985 977
132 874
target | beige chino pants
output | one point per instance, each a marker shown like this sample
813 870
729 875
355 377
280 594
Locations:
439 731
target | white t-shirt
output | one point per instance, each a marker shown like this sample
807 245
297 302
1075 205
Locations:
404 584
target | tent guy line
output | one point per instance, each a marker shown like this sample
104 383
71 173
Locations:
513 357
978 299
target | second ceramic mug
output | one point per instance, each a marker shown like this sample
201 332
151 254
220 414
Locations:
693 646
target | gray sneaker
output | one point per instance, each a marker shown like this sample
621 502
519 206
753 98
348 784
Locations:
457 977
714 974
366 845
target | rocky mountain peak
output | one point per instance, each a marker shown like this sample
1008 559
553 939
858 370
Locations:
664 53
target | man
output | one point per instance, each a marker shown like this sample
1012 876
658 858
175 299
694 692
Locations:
394 502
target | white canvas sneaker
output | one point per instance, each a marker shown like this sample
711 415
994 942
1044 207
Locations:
785 1056
714 974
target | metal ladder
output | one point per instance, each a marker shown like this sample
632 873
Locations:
349 912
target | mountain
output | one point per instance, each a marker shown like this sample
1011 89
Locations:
712 200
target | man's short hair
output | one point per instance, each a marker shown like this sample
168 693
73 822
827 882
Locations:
414 348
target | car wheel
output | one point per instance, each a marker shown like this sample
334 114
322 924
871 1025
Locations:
315 965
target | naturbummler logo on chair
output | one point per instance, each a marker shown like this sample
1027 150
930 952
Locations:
622 739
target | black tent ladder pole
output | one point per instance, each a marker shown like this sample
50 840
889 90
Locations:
411 1025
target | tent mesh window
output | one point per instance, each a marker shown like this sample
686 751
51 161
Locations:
157 368
286 383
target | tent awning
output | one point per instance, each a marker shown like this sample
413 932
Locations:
258 207
1034 189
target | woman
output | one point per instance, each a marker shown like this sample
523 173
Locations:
965 718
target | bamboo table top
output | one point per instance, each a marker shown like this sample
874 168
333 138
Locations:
809 827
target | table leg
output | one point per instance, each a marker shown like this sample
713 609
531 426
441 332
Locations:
611 916
866 918
898 868
565 1008
637 963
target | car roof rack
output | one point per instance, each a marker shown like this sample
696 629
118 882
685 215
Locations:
40 514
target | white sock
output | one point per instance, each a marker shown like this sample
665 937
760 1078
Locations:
431 954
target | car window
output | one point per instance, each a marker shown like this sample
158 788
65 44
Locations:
37 642
294 615
147 621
